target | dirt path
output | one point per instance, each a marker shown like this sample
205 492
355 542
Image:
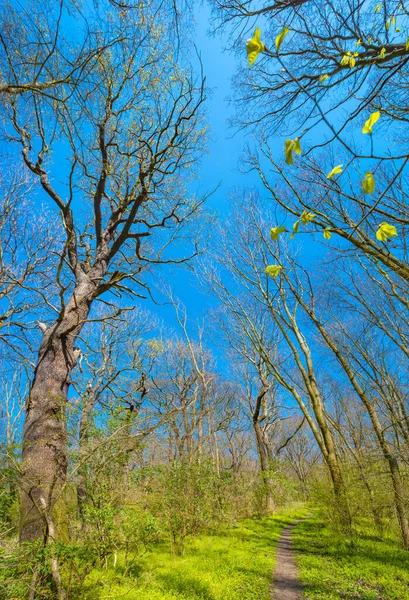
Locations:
286 585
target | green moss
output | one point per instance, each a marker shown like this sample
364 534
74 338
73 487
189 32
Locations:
362 567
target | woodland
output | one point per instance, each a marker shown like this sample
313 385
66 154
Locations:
155 442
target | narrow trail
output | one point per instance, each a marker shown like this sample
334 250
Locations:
286 585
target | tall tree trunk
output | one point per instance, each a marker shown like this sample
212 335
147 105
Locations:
331 456
45 457
264 456
377 425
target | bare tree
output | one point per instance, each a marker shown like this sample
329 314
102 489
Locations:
25 263
130 131
42 57
244 255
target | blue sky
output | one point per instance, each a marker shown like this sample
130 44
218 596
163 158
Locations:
221 164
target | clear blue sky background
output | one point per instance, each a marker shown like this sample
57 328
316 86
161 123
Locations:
221 165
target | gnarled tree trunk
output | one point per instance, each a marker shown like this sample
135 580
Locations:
45 458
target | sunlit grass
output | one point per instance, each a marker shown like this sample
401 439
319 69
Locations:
363 567
234 565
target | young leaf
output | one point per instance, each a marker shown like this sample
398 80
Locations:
368 184
367 128
323 77
385 232
297 146
288 151
335 171
295 228
254 46
349 59
290 147
275 232
273 270
306 217
327 233
382 53
280 38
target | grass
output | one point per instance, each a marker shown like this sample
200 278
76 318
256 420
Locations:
236 564
364 567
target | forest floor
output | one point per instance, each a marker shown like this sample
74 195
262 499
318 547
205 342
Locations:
333 566
237 564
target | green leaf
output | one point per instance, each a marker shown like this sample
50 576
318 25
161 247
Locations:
273 270
327 233
288 151
368 184
254 46
297 146
290 147
385 232
335 171
306 217
349 59
323 77
280 37
295 228
275 232
367 128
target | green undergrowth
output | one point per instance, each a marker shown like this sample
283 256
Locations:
362 567
235 564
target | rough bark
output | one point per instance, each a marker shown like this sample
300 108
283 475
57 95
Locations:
44 464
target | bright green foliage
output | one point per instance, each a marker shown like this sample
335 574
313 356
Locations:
367 128
368 184
290 147
280 37
335 171
306 217
275 232
349 59
273 270
234 564
385 232
295 228
254 46
338 567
